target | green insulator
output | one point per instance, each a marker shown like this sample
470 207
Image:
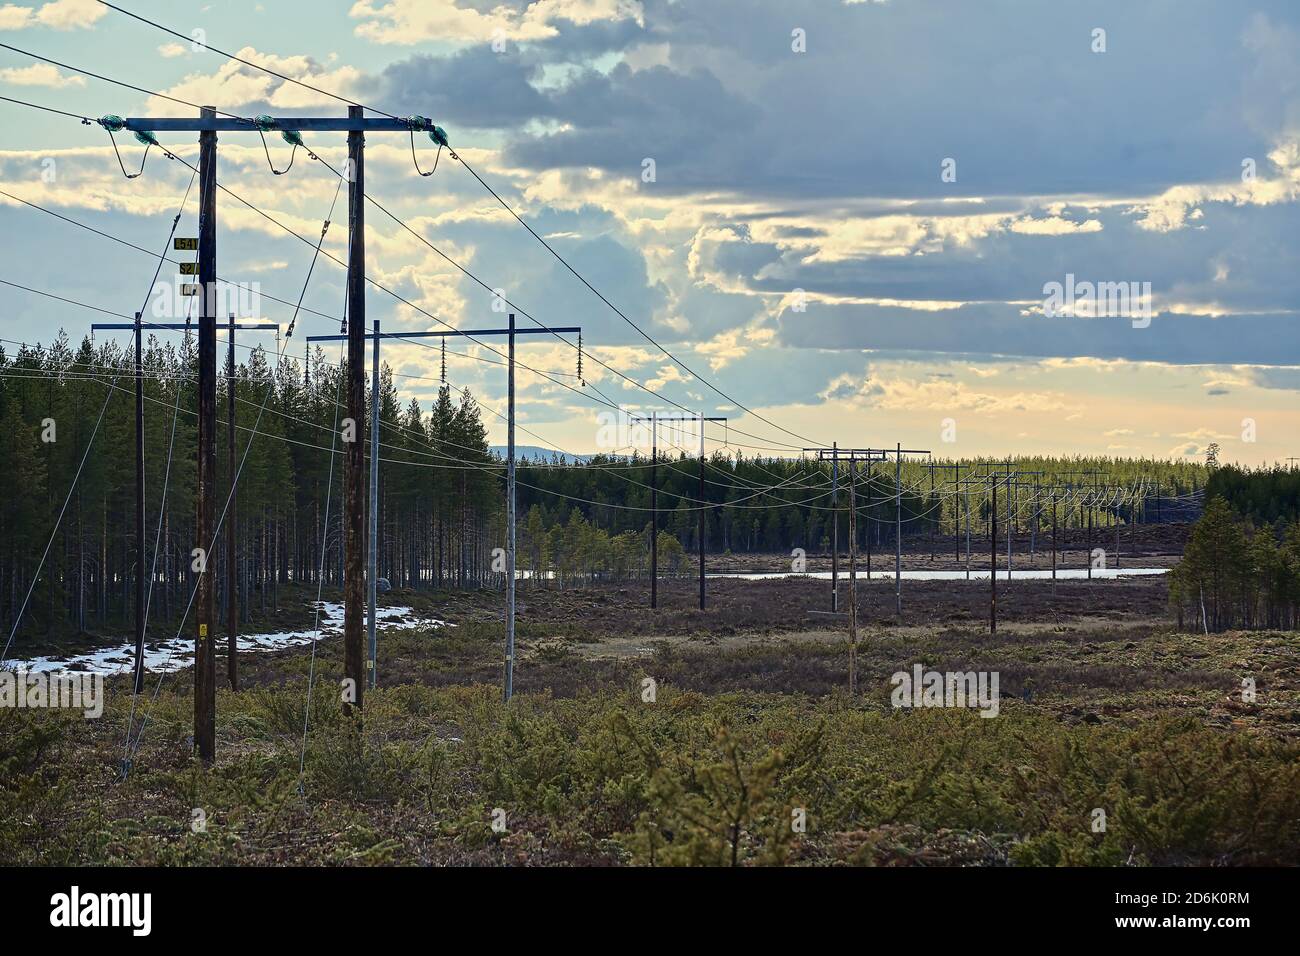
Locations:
264 122
146 137
439 136
417 122
293 137
112 123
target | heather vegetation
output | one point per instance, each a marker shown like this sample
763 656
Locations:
746 735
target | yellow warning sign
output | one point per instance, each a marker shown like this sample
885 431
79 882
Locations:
203 630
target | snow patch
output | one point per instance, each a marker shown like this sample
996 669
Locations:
177 654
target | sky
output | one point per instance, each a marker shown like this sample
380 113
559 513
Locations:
863 222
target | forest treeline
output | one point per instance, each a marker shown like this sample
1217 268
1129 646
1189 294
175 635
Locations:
1264 495
439 523
1241 566
795 507
441 491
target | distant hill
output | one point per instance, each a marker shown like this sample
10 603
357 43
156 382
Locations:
538 453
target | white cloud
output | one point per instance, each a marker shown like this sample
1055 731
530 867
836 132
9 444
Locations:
407 22
1175 207
15 18
1053 226
234 85
726 347
903 394
40 74
60 15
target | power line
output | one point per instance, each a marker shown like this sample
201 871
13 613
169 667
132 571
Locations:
230 56
619 312
86 120
172 155
108 79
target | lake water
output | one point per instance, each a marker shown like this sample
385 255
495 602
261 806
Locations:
1036 574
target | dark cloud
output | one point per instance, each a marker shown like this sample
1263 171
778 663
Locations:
590 239
1011 90
473 87
999 329
1282 377
689 123
1237 258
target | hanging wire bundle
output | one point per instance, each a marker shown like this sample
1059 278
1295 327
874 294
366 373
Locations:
115 124
436 133
266 124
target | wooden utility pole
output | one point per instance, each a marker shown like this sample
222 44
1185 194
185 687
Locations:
1033 532
655 421
956 516
898 533
510 516
956 520
1010 522
993 558
231 519
472 334
1013 511
853 579
136 329
1117 513
835 528
354 458
930 503
1077 495
654 511
966 502
871 477
852 456
372 543
703 516
1053 541
207 125
230 522
139 510
1088 554
899 452
964 490
205 659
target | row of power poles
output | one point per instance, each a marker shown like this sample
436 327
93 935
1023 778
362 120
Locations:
510 333
231 513
356 662
835 454
655 421
1087 497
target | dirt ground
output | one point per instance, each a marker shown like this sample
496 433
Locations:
783 605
